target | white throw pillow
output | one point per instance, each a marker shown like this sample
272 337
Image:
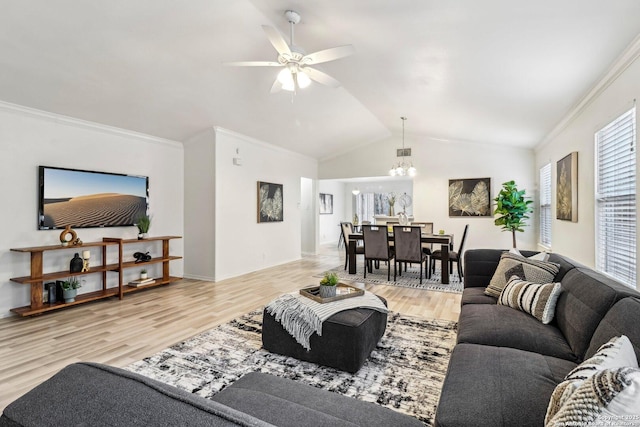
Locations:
615 354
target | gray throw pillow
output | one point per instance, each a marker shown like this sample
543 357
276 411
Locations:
534 271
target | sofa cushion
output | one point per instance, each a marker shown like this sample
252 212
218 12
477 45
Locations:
586 298
617 353
493 386
532 298
532 270
501 326
288 403
476 296
622 319
90 394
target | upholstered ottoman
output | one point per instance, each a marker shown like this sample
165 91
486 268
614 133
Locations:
347 338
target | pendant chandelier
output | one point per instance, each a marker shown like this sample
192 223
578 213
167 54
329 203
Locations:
402 168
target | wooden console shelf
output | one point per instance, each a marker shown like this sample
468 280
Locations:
37 278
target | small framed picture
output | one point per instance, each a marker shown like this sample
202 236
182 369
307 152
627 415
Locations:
326 204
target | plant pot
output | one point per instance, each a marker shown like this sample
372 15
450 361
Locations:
327 291
69 295
144 276
143 236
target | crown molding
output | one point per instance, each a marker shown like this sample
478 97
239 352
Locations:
85 124
626 58
261 143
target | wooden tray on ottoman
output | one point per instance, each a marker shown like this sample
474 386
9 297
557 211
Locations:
342 291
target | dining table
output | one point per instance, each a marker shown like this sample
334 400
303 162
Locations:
445 241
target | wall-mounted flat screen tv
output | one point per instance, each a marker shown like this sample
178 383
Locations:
85 199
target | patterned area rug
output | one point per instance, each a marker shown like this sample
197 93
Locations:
404 373
409 279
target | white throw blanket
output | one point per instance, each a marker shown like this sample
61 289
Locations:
302 316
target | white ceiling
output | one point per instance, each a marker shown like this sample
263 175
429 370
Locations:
491 71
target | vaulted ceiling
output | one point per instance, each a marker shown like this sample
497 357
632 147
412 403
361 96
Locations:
491 71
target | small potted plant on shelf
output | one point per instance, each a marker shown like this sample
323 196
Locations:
143 223
70 289
328 285
143 274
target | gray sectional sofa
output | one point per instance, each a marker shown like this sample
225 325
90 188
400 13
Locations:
506 363
90 394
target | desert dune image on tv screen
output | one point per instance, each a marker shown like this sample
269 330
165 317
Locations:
90 199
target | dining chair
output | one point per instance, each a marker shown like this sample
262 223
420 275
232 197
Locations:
453 256
408 248
376 247
427 228
347 228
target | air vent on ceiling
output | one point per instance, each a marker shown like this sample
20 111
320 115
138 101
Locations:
403 152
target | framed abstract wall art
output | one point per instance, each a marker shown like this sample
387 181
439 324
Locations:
470 197
326 204
270 202
567 188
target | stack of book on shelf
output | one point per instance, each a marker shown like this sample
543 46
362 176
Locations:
141 282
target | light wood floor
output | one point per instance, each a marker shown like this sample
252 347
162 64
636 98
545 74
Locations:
120 332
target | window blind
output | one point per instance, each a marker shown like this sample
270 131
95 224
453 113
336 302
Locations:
616 198
545 205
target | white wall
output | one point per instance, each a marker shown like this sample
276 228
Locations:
308 216
199 196
242 244
437 162
30 138
577 239
329 223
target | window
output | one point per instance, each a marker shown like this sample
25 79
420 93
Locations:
545 205
616 198
370 204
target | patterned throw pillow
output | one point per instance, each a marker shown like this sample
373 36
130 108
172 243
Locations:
615 354
533 298
534 271
608 398
540 256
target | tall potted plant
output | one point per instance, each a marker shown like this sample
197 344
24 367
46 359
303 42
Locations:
513 207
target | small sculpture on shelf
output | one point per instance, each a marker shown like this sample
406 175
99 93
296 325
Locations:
64 236
142 257
76 263
86 255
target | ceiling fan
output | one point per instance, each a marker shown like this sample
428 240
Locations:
297 72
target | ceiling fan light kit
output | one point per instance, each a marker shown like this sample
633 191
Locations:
403 168
297 72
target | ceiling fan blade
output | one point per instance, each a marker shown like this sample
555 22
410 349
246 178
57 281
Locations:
329 54
320 77
252 64
276 40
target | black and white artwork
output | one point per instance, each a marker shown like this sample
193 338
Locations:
270 202
470 197
326 204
